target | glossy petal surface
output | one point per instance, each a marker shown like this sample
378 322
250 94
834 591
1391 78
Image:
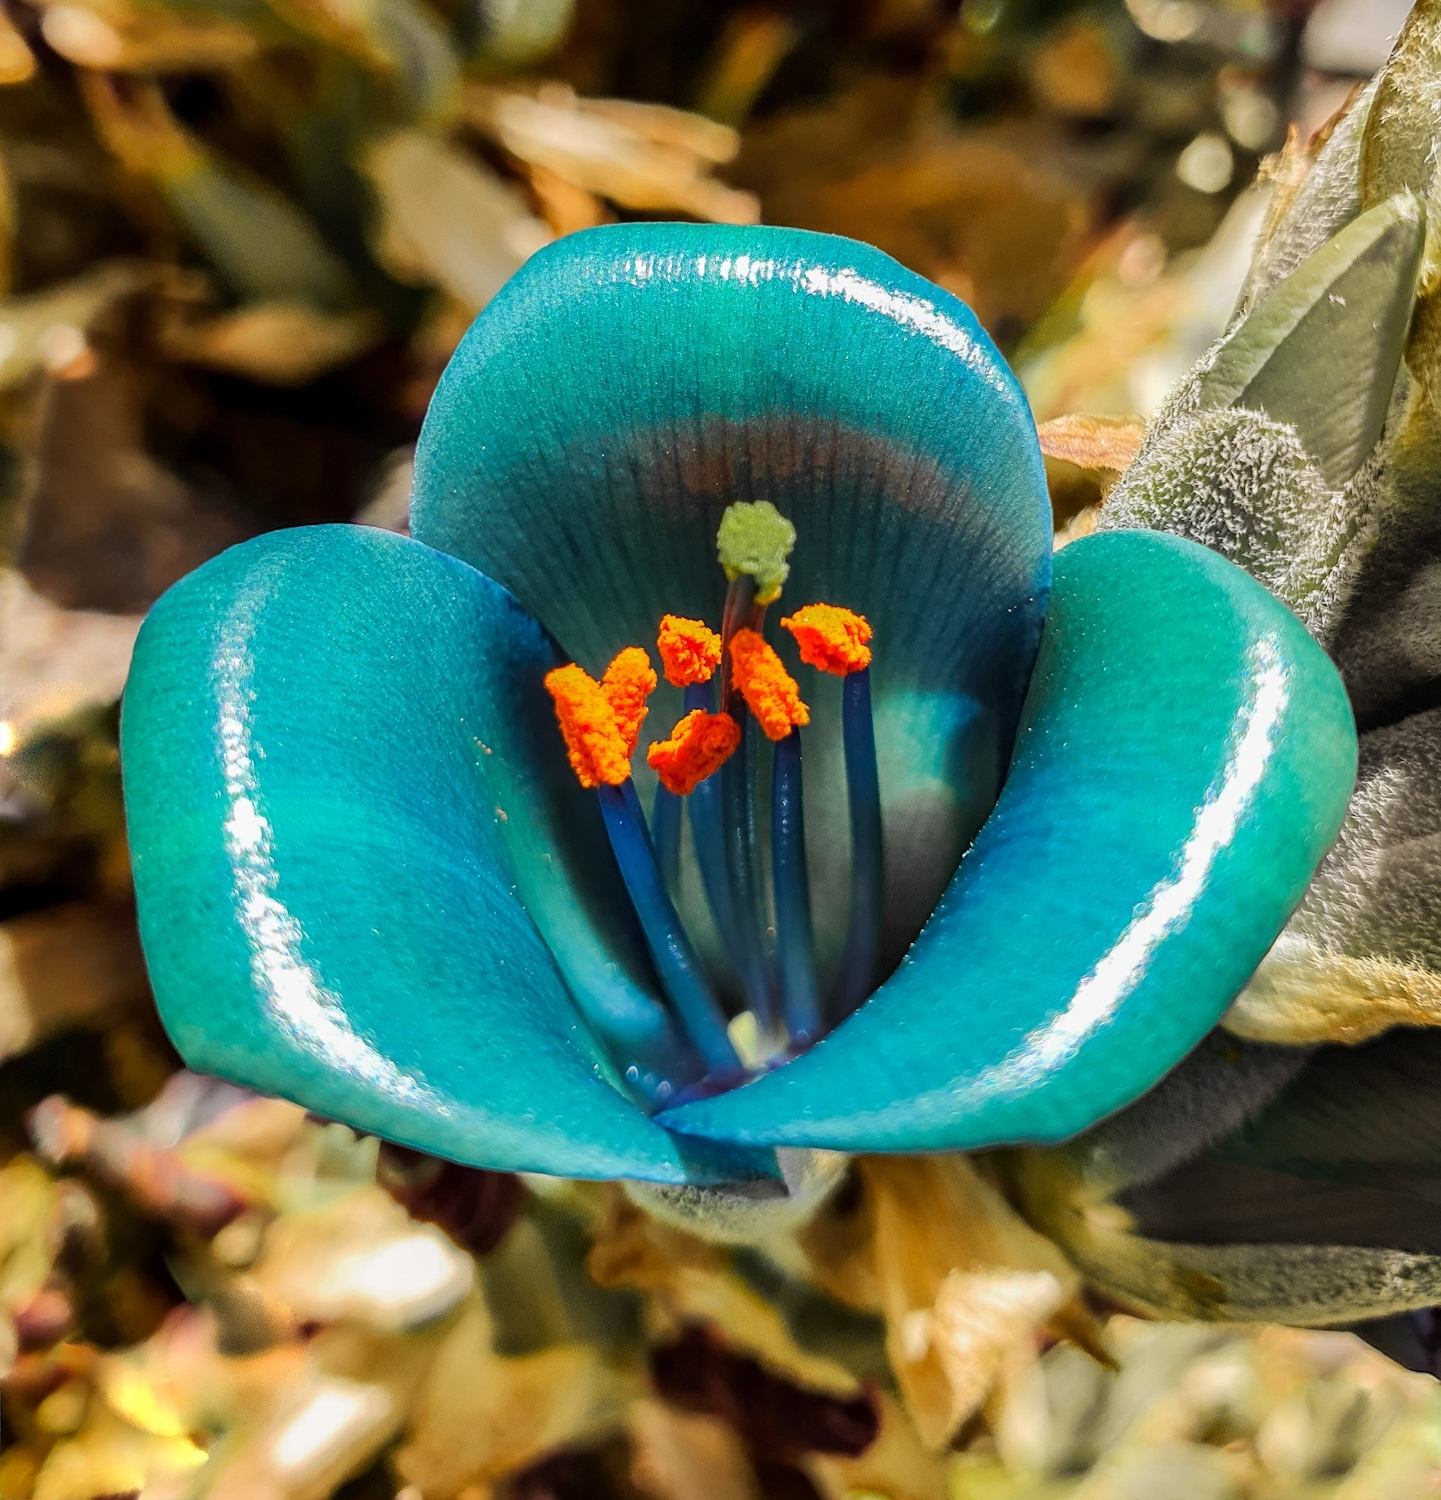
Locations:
340 770
630 382
1184 760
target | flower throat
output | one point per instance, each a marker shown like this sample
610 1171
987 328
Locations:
734 684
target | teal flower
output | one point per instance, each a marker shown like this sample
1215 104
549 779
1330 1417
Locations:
368 879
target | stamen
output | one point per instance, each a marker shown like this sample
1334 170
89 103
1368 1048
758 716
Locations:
690 650
704 805
676 964
756 539
769 690
629 680
830 638
665 832
742 871
796 940
858 962
698 746
593 739
835 640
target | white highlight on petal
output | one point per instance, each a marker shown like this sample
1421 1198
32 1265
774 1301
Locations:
1169 905
314 1016
915 314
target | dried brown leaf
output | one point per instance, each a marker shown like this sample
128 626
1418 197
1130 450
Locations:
65 965
679 1455
121 40
478 1416
1103 445
56 661
918 1220
687 1281
108 1456
362 1259
155 1178
896 1465
278 343
603 151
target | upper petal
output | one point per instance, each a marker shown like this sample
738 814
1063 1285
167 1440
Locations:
337 784
1184 760
630 382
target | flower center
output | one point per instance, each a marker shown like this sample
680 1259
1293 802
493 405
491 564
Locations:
706 768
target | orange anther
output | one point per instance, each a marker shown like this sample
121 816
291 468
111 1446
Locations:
831 638
690 650
593 739
770 691
629 680
698 746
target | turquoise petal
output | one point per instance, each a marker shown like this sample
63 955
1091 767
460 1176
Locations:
340 779
1184 760
630 382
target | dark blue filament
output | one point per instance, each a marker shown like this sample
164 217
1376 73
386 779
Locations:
665 830
794 936
742 872
863 785
670 948
705 827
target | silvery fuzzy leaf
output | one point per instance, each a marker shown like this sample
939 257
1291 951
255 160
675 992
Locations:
1329 197
1259 1184
1385 641
749 1213
1213 1241
1321 350
1215 1090
1368 1115
1244 486
1363 951
1336 1179
1398 147
1261 453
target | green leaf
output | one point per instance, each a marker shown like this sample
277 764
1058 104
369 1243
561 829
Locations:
1322 349
264 246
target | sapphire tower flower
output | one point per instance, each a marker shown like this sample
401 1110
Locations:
1049 822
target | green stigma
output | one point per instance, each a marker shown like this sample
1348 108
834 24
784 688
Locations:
755 538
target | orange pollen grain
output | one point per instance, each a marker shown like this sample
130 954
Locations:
831 638
690 650
593 739
629 680
770 691
699 745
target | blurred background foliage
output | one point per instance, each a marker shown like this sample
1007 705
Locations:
238 242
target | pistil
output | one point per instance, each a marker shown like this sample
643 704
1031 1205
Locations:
753 544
